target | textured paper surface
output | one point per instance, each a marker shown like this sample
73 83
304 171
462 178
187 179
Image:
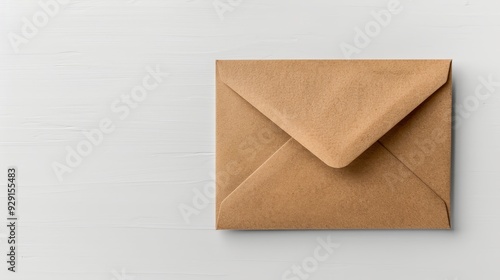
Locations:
318 144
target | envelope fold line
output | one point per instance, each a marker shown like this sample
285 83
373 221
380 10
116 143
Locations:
420 179
255 171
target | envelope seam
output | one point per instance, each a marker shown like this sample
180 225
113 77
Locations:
249 176
418 177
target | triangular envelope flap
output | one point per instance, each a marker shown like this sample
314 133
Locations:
335 108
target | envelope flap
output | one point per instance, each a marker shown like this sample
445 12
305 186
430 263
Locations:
335 108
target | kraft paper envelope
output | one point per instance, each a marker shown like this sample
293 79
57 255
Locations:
333 144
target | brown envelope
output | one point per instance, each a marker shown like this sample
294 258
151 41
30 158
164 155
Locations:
333 144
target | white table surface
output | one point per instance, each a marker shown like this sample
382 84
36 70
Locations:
116 215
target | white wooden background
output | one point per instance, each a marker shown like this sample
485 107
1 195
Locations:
116 215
